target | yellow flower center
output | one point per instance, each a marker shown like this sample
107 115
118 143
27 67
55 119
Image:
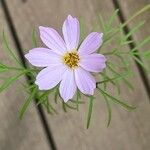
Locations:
71 59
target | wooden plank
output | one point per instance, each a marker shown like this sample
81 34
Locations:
129 8
128 131
14 133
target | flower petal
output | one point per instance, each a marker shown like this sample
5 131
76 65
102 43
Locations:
91 43
52 39
50 77
68 86
42 57
93 62
71 32
85 81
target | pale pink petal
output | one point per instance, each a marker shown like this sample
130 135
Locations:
52 39
91 43
85 81
71 32
50 77
42 57
93 62
68 86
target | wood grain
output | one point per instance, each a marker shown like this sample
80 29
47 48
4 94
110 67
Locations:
14 133
128 130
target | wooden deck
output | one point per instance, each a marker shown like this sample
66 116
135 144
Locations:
66 131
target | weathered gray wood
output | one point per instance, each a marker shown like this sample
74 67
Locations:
129 130
14 133
129 8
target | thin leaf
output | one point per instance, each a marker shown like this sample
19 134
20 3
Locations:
3 68
56 95
147 53
109 109
107 78
112 18
69 106
124 79
127 42
10 80
139 61
131 32
49 106
115 78
34 39
102 22
90 108
64 106
111 53
75 102
2 65
42 97
78 99
124 61
95 27
27 103
82 30
10 51
147 7
111 81
135 28
142 43
115 100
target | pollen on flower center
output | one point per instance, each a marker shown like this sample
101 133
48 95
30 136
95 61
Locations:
71 59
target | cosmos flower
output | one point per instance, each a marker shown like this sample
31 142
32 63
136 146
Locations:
66 62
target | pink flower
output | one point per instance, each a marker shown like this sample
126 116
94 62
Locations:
67 62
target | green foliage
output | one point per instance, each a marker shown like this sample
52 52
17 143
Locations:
115 100
90 109
27 103
146 54
3 68
118 70
78 99
108 103
34 39
9 50
9 81
82 29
